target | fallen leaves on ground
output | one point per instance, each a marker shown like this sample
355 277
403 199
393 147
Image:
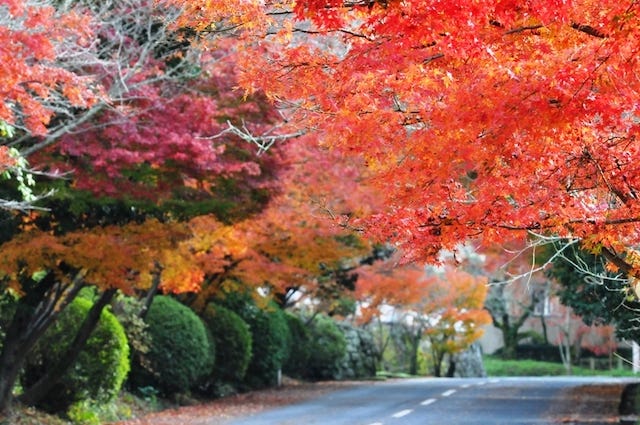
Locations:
239 405
589 404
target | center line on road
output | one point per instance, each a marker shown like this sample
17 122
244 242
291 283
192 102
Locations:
448 393
465 385
428 401
402 413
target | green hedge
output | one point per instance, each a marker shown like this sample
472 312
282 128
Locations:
551 353
270 336
181 351
233 343
328 347
297 362
98 372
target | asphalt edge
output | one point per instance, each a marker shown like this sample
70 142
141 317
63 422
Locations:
629 408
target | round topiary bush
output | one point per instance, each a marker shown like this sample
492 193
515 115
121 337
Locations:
181 351
233 343
99 370
328 347
296 363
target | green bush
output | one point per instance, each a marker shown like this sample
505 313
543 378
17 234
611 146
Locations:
539 352
270 337
296 363
328 347
180 353
233 342
101 366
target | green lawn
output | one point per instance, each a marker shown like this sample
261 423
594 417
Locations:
498 367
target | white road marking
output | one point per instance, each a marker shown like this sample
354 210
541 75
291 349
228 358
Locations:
494 381
465 385
481 383
377 423
402 413
428 402
448 393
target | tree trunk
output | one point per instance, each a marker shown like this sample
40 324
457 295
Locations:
41 388
510 339
413 361
437 363
11 362
382 342
35 312
451 370
155 283
545 334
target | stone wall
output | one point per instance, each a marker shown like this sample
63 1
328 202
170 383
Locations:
469 363
360 358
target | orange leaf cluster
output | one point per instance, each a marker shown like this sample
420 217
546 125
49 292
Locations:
454 305
122 257
450 306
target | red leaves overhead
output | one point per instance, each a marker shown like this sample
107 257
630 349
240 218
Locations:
31 77
476 119
167 134
325 13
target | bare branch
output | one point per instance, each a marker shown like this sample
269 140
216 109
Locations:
24 206
263 141
124 46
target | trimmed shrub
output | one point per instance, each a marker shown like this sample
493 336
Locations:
539 352
296 363
270 336
328 347
99 370
233 342
180 353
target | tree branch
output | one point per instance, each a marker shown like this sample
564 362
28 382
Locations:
263 142
588 29
626 268
524 28
38 390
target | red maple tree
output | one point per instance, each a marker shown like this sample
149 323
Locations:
477 120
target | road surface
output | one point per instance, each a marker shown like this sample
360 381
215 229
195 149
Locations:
509 401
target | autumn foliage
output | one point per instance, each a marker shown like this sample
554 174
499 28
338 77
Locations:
445 308
32 78
477 119
272 146
454 310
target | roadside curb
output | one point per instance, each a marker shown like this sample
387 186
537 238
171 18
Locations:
630 404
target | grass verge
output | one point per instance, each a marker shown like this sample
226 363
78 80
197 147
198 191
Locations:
498 367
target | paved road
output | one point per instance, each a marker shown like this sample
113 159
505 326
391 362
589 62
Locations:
509 401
